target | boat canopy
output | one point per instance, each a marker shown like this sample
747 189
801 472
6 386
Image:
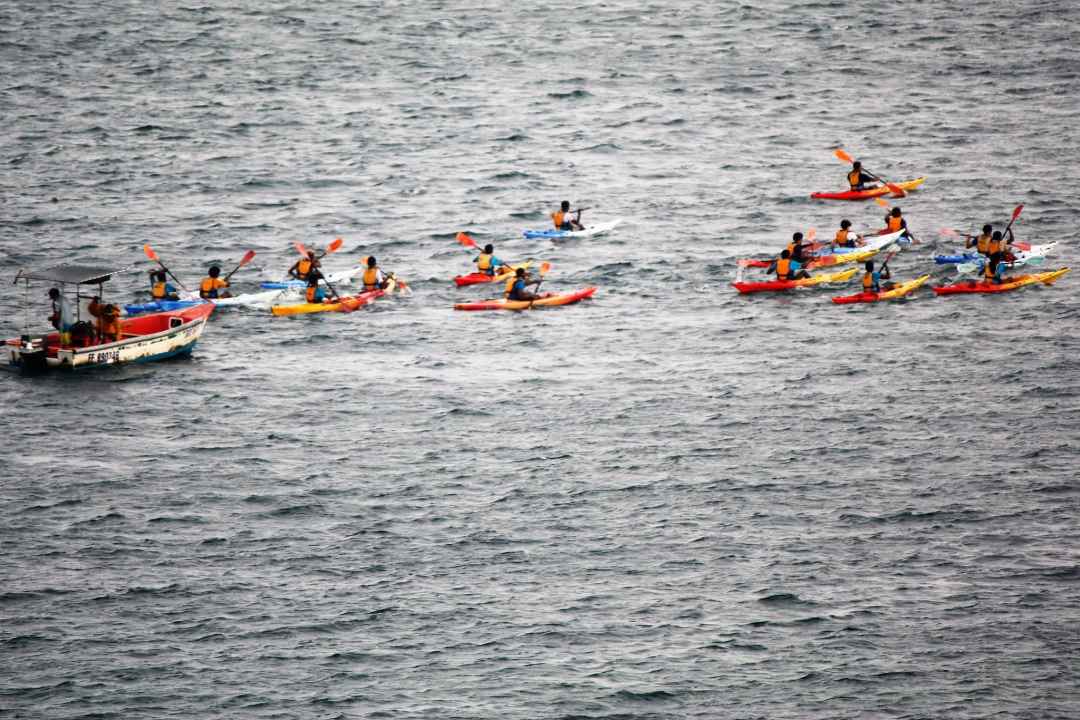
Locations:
71 273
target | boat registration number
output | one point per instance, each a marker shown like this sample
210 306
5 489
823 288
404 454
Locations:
105 356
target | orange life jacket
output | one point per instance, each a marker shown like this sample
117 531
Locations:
868 282
993 246
158 291
783 268
853 179
894 223
209 287
842 236
558 216
303 268
983 243
371 278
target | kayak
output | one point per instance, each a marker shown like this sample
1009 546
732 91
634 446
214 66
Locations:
869 193
985 287
898 291
341 276
1024 255
545 300
1036 256
344 304
776 285
874 243
597 229
160 306
478 277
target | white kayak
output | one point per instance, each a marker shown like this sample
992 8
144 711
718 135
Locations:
596 229
266 298
343 277
1035 256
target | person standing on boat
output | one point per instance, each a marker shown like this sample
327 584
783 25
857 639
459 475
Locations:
160 289
63 317
108 320
859 180
214 286
304 266
487 263
562 218
373 277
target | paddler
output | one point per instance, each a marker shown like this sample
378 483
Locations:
213 286
998 244
487 263
373 277
562 218
516 286
62 317
796 249
315 292
788 269
980 242
160 289
994 269
845 238
304 266
871 282
895 222
859 180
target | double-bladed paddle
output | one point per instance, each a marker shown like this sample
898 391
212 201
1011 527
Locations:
895 189
154 257
248 257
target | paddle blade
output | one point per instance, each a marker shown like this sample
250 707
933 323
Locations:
1016 213
896 190
544 267
248 257
882 203
300 248
843 156
150 253
811 234
948 232
332 247
466 240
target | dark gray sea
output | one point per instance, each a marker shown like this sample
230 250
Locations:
668 502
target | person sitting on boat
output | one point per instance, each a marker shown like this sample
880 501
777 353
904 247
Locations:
980 242
796 250
315 293
487 263
213 286
516 286
998 244
304 266
994 269
62 317
788 268
845 238
160 289
373 277
108 320
894 222
871 282
562 218
859 180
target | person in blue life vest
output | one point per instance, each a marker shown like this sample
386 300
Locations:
160 289
565 219
859 180
517 286
487 263
788 269
872 279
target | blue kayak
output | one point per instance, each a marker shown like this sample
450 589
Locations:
160 306
597 229
951 259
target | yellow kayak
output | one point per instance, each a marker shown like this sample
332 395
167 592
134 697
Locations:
897 291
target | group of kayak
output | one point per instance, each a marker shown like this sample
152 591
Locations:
990 254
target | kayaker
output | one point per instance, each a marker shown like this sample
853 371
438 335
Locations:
516 286
894 222
795 249
859 180
315 293
998 244
213 286
487 263
562 218
62 317
845 238
980 242
373 277
160 289
994 269
871 282
304 266
788 269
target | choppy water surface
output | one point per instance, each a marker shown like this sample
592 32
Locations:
668 502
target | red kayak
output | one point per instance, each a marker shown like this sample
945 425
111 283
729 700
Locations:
982 286
867 194
477 277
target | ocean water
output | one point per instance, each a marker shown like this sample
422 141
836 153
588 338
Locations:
670 501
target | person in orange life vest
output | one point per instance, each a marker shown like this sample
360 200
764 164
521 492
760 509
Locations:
562 219
895 222
998 244
845 238
797 251
487 263
871 282
373 277
994 270
516 286
787 268
160 289
213 286
980 242
859 180
315 293
304 266
108 320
